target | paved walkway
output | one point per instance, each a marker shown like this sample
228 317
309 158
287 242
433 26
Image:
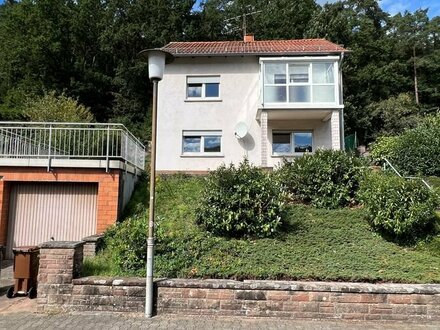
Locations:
6 282
6 275
16 321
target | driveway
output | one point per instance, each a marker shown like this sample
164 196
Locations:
6 275
15 305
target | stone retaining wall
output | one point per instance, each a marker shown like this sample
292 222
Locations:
92 245
316 300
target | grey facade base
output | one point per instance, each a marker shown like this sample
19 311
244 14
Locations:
60 289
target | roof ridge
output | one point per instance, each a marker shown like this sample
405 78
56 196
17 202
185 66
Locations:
258 47
247 42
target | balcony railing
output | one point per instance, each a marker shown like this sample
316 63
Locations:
33 140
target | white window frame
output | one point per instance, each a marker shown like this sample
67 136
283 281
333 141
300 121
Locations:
292 142
203 80
307 60
202 135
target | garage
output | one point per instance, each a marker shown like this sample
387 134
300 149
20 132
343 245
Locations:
40 212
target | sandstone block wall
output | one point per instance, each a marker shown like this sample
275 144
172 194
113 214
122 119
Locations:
61 289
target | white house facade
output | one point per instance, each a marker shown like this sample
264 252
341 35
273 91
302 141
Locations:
265 100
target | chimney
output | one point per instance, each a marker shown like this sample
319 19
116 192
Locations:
249 38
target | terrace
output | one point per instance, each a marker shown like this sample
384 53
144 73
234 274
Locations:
80 145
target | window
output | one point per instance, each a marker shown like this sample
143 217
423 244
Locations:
285 143
203 87
299 73
274 82
201 142
306 83
323 82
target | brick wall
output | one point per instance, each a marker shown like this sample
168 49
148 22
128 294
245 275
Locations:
4 212
108 190
289 299
60 263
264 147
316 300
92 245
312 300
335 132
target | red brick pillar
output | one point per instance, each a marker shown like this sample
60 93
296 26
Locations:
4 211
60 263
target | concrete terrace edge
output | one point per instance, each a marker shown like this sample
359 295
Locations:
342 287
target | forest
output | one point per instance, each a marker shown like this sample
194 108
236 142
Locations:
88 50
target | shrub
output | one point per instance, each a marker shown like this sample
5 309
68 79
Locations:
395 114
415 152
418 150
396 206
384 147
127 243
327 178
241 201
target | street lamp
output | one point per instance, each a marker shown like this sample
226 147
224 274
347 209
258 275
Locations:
156 66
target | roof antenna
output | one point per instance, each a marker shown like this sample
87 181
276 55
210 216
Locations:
244 22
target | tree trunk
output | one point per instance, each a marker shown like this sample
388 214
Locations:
416 87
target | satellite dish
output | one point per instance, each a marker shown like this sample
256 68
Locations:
241 130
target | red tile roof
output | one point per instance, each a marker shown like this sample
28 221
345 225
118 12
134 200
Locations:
263 47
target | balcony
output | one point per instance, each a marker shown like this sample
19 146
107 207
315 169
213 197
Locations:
308 87
91 145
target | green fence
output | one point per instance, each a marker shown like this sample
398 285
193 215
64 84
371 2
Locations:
351 142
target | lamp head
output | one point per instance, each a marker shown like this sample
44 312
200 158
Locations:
156 62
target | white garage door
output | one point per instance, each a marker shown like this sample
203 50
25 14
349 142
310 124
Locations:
40 212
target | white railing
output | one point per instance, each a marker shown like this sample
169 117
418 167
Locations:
70 141
387 163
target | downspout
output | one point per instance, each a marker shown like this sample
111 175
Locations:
341 113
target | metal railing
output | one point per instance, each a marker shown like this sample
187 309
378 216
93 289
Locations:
70 141
388 163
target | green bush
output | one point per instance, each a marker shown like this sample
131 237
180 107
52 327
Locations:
384 147
127 242
326 179
402 208
242 201
416 151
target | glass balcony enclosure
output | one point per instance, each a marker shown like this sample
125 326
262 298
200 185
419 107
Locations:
292 82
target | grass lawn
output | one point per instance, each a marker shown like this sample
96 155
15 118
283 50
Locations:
316 244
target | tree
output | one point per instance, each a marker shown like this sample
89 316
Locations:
88 50
381 64
395 114
57 108
267 19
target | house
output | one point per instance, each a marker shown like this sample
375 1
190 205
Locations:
265 100
64 181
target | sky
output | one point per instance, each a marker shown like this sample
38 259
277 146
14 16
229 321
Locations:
395 6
